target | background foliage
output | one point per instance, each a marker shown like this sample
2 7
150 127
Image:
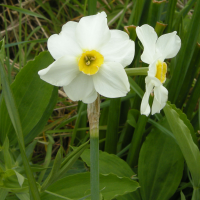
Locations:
141 158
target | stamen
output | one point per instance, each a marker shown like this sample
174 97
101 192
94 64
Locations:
87 63
161 70
93 58
86 58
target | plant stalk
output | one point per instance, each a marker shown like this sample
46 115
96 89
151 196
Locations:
93 116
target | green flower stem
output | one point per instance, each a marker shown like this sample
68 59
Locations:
137 71
93 116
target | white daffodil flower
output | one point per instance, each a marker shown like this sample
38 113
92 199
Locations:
89 58
156 50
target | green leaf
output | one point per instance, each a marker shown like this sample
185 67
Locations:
185 120
184 139
23 196
7 155
185 55
133 115
155 12
11 182
25 42
109 163
43 120
78 186
20 178
14 116
170 15
32 96
24 11
136 142
3 193
188 83
130 196
29 153
160 167
60 166
54 171
182 196
136 88
112 126
2 50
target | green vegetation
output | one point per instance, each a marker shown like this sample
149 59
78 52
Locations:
44 136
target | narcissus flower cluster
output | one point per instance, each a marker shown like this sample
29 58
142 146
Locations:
89 59
156 50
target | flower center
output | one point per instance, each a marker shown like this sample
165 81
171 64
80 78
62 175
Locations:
90 61
161 68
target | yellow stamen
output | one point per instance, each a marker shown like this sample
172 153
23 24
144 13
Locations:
161 71
90 61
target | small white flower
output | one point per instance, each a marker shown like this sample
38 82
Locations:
89 58
156 50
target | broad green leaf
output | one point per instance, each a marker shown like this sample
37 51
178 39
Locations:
109 163
130 196
24 11
78 186
185 120
184 139
23 196
43 120
60 167
160 167
3 193
32 96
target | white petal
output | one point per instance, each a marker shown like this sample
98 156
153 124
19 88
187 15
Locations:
145 108
168 45
160 99
81 88
119 48
148 37
92 31
65 43
152 69
111 80
61 72
70 29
